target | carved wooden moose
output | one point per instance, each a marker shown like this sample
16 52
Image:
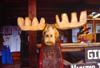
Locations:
50 54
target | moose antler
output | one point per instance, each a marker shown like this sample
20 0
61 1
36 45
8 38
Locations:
65 24
26 24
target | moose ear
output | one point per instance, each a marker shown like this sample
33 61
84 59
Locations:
43 33
56 34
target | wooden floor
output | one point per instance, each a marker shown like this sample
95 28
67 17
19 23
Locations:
16 64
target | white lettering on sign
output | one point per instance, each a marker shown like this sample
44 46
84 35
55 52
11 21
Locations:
73 66
98 64
93 54
88 66
90 55
99 54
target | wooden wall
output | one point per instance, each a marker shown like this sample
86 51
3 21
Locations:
48 9
11 9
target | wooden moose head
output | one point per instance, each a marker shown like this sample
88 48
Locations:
50 32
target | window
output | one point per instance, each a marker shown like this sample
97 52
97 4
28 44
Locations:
74 35
91 26
97 28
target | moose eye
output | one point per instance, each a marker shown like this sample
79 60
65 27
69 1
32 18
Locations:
53 27
50 35
47 35
48 27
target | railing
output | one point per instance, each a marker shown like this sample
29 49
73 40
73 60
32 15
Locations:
73 47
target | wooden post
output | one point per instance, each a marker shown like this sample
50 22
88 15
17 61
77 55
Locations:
32 36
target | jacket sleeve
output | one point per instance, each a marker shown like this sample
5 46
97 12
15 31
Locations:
61 53
40 57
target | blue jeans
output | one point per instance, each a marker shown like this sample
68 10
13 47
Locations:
6 55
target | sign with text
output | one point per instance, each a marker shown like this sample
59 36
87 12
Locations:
84 65
92 54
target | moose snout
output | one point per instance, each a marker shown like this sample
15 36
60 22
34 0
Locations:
49 37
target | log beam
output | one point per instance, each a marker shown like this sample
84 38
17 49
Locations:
75 47
32 36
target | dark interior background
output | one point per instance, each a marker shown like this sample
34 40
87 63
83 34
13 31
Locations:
11 9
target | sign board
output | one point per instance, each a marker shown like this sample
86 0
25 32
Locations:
98 65
92 54
84 65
